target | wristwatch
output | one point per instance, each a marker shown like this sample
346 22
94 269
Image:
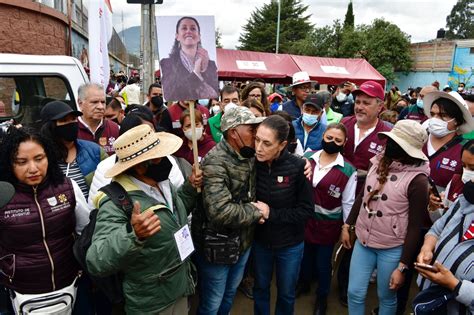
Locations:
402 269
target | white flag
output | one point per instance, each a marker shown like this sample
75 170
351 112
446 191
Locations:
100 32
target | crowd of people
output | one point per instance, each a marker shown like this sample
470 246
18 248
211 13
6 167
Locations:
368 185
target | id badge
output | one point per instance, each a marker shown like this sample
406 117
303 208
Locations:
184 242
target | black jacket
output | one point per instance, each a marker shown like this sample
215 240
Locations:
284 187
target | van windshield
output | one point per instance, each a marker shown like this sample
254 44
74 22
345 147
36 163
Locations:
23 97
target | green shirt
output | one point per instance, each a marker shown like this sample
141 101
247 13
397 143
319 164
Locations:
215 125
333 117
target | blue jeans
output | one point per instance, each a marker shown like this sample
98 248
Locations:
317 259
287 261
218 284
364 261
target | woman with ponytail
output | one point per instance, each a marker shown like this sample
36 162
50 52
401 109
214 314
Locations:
388 216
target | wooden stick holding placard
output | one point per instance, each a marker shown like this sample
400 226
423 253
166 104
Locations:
192 116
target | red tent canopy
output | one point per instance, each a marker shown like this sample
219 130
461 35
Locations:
244 64
337 70
247 65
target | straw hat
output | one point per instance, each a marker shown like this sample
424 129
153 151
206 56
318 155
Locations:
141 144
410 135
431 97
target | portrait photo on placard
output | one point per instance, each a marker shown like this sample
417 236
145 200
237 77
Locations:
187 51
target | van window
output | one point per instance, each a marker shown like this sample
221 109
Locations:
23 97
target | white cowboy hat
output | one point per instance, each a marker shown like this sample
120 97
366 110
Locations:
301 77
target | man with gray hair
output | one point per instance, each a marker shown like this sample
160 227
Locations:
92 125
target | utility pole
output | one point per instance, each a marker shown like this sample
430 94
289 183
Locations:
147 42
278 27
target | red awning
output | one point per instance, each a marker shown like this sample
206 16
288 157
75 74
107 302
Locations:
244 64
248 65
337 70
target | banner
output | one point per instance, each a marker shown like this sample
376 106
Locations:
100 32
187 49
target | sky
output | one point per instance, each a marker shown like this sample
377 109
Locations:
420 19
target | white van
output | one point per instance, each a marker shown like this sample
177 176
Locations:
28 82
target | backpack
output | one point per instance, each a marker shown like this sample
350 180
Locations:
111 285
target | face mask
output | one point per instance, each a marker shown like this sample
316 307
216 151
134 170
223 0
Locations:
157 102
468 191
203 102
467 175
159 172
341 97
419 103
309 119
393 150
229 106
246 151
216 109
460 89
331 147
67 132
189 133
439 128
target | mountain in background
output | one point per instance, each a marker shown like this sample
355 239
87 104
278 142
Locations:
131 38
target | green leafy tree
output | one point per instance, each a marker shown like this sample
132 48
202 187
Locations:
218 38
349 19
387 48
259 34
460 22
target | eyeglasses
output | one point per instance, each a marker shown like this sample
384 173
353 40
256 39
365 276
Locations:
255 95
304 88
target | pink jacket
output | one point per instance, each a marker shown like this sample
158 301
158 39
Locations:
387 227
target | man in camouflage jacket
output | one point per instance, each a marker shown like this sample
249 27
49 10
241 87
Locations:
229 189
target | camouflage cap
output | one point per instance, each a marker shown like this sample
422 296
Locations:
239 115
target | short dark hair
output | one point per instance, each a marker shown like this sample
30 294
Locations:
291 132
279 125
229 89
450 108
338 126
153 85
114 104
468 146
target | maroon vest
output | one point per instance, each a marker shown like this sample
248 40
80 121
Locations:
325 226
25 262
456 187
445 164
176 111
366 149
105 136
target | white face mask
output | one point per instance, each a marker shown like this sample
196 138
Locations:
341 97
189 133
439 128
467 175
216 109
229 106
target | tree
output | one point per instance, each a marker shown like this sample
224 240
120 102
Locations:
460 22
349 19
218 38
387 48
259 34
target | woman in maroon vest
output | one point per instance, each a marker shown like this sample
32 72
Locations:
37 226
334 184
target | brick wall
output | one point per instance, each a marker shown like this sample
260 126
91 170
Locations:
30 28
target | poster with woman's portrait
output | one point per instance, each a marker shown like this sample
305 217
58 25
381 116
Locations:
187 49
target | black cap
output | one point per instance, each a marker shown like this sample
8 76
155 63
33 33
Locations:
56 110
314 100
8 191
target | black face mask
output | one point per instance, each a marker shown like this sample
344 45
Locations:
246 151
468 191
393 150
331 147
157 102
67 132
292 147
159 172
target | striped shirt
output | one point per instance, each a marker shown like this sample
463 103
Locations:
72 171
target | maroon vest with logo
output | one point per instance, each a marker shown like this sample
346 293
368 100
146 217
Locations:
32 262
445 164
456 187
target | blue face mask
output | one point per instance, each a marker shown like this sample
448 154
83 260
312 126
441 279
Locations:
309 119
419 103
203 102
